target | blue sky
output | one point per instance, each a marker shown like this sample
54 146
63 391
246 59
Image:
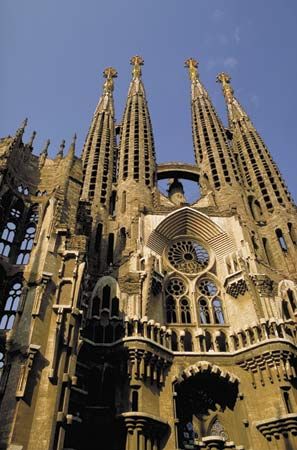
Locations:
53 53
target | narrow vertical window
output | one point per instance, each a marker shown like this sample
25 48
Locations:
285 309
292 233
106 297
287 400
170 309
115 307
267 250
188 344
123 202
185 311
96 306
174 341
123 237
134 401
98 237
204 311
281 240
218 311
112 203
110 248
292 299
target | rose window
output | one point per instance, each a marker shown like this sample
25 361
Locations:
207 287
176 287
188 256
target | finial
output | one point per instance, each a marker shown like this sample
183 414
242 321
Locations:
30 143
21 129
225 79
71 151
192 65
62 146
109 73
136 62
45 148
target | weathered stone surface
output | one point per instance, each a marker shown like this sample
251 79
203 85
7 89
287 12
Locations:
131 320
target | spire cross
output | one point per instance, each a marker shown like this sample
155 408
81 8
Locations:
192 65
62 146
109 73
136 62
225 79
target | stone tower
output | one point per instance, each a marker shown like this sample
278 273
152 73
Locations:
131 319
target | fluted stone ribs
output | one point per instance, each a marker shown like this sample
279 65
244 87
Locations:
137 151
259 169
99 149
212 152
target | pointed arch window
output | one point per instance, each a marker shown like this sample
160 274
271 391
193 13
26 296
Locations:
171 309
218 311
185 310
105 304
106 297
7 238
174 341
28 238
204 311
9 229
177 306
23 190
11 306
188 342
210 307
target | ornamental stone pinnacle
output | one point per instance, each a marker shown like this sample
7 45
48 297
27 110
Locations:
45 148
225 79
136 62
192 65
109 73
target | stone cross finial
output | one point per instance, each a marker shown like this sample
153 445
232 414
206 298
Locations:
62 146
192 65
109 73
225 79
136 62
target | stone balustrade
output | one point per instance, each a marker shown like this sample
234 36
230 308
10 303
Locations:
210 339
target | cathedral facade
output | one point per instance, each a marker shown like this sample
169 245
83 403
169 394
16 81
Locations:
131 319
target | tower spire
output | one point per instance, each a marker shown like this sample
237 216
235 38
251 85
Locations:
261 173
99 149
137 153
212 152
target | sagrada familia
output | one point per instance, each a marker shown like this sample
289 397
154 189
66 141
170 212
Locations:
131 319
